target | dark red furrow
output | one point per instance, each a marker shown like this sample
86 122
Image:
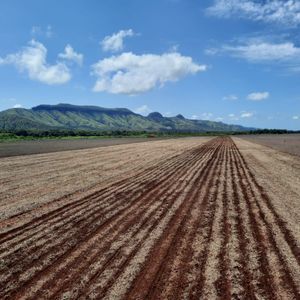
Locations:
247 276
223 284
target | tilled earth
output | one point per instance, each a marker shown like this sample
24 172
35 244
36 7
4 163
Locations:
195 224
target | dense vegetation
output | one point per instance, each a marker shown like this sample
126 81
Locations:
74 134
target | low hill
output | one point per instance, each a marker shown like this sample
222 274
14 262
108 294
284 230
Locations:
71 117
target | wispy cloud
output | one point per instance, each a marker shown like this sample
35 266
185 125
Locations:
264 51
231 97
206 115
132 74
219 119
246 114
258 96
296 118
233 117
143 110
40 31
285 55
32 60
115 42
283 12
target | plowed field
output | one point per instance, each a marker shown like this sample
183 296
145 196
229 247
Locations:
196 224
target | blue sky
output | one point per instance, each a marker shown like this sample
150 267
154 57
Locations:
225 60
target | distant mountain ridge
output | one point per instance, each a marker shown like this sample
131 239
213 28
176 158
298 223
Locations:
75 117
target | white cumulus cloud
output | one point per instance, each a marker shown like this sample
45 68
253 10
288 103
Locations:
284 12
32 60
70 54
246 115
258 96
131 74
115 42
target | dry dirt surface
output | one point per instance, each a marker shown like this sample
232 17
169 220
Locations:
289 143
187 220
47 146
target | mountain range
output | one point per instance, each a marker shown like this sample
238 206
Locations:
74 117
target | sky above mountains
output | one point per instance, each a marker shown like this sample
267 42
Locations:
236 61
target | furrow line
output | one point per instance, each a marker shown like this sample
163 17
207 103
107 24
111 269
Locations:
223 283
248 259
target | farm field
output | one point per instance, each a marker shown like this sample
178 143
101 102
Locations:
55 145
192 218
289 143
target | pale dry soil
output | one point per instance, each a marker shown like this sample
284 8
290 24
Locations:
279 174
23 147
289 143
31 180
